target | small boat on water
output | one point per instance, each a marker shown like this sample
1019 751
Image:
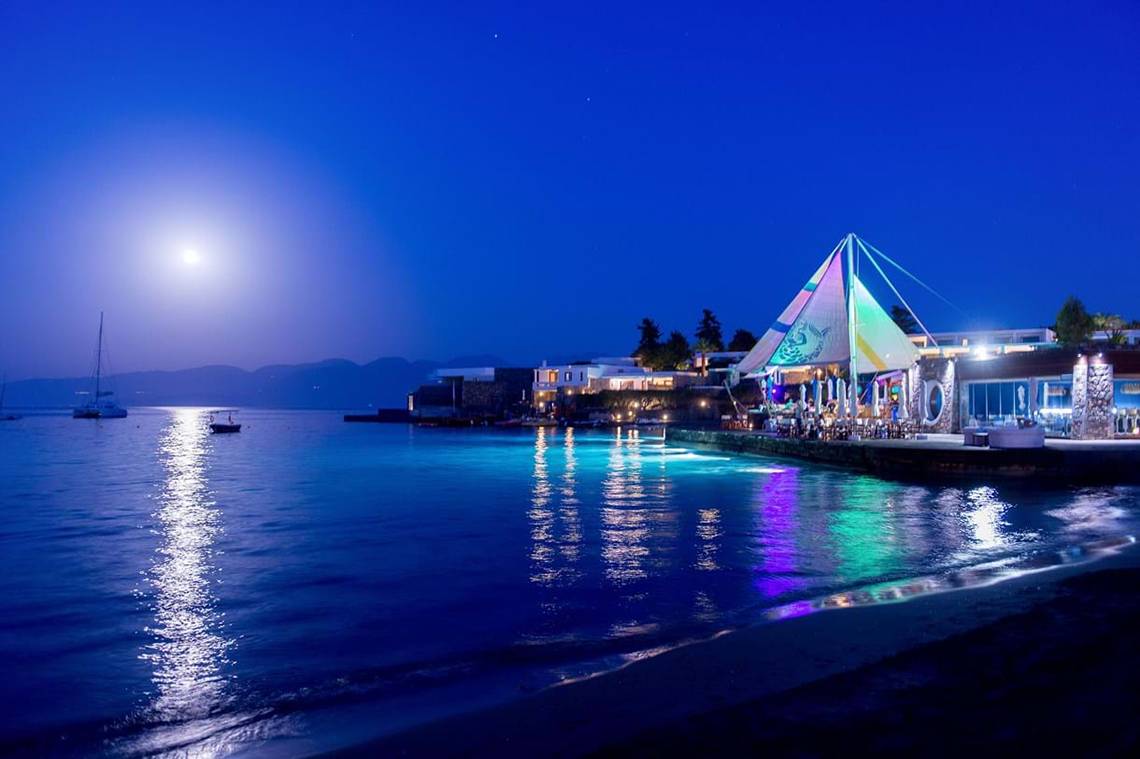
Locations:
224 427
5 417
102 404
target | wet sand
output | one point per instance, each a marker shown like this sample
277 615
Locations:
1043 661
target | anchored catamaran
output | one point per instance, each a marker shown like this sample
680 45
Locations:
103 404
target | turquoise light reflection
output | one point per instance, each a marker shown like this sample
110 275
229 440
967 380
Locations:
863 530
555 523
625 520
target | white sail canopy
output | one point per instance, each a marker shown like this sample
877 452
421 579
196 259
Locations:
815 328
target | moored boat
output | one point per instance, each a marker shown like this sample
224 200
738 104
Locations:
228 426
103 404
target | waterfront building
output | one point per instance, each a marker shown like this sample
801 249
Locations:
1091 394
946 382
481 392
552 385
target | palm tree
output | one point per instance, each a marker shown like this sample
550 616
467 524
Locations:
702 348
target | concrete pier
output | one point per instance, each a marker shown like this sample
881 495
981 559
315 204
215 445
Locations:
939 456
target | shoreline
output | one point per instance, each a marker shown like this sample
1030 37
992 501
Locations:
680 692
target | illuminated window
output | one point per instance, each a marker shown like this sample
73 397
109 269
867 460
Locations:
998 401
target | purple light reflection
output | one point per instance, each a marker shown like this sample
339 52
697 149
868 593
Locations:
777 522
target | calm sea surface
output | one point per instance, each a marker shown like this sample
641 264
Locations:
308 583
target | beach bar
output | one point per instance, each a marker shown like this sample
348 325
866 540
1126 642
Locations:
838 381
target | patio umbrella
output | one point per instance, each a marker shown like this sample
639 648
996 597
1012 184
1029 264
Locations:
830 389
841 396
904 411
817 394
875 397
803 397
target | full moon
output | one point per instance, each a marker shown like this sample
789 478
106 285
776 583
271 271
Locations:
190 257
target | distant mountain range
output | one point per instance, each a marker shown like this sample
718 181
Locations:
332 384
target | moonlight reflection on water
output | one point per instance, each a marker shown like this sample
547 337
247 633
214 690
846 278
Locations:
188 646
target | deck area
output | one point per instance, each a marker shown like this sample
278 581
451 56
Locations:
1084 461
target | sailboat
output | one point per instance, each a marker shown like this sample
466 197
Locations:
5 417
103 404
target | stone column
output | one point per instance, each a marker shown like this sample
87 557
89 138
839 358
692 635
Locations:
942 371
1092 399
951 422
1080 397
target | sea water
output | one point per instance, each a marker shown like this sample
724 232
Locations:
309 584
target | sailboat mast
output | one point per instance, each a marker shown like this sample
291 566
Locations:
99 357
852 323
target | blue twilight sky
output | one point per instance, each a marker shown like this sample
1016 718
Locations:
259 184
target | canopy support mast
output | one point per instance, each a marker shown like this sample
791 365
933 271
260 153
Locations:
852 324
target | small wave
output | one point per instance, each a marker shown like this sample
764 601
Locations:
976 576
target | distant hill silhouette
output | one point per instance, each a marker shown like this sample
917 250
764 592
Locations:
331 384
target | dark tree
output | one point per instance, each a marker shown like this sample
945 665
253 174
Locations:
902 317
708 330
674 354
649 344
742 340
650 338
1074 325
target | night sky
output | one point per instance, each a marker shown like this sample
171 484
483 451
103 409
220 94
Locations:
427 180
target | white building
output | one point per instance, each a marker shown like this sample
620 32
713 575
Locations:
605 373
986 337
992 342
1127 336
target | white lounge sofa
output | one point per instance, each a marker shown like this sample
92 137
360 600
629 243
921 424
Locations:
1017 437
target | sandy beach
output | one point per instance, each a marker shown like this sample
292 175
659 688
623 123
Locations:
1041 661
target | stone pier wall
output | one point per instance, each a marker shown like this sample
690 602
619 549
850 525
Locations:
921 460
